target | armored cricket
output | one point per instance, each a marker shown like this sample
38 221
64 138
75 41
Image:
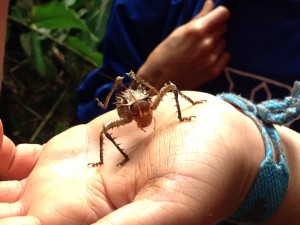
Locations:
136 103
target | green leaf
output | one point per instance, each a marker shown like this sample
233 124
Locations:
55 15
37 53
69 2
25 43
84 50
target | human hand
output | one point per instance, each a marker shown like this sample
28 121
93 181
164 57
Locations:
178 173
192 54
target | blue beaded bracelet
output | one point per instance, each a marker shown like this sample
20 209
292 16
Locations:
271 183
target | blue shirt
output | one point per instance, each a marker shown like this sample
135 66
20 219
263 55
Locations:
263 39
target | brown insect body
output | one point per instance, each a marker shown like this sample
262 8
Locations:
136 104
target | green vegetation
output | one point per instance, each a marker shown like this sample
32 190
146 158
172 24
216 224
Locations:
50 47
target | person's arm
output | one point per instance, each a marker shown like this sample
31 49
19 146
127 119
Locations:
192 54
3 19
288 212
195 172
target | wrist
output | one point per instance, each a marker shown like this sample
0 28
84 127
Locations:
288 212
272 188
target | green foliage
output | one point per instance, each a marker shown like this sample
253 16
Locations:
56 15
75 25
83 48
50 47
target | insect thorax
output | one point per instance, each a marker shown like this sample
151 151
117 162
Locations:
130 96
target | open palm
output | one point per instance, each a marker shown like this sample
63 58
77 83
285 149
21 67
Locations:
178 173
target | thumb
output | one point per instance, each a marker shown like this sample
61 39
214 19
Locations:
1 133
161 212
208 6
14 157
7 153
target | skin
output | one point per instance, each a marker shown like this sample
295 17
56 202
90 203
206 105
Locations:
195 172
195 51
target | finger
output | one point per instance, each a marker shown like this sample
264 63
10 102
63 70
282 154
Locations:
11 209
18 161
211 42
7 154
219 33
207 7
26 157
222 63
10 191
213 57
22 220
220 47
1 133
214 19
217 51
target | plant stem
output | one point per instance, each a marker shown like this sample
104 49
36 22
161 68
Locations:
47 117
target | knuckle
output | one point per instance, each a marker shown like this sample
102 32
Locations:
196 30
207 44
212 60
216 72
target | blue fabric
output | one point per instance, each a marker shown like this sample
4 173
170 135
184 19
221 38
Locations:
271 183
263 37
268 33
134 29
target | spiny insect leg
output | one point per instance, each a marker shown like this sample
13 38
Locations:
117 83
111 125
178 108
140 80
189 99
176 92
162 92
101 152
105 129
126 157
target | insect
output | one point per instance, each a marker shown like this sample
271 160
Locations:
136 104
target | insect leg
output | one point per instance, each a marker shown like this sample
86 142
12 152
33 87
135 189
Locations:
140 80
105 129
172 87
189 99
162 92
178 107
117 83
101 152
126 157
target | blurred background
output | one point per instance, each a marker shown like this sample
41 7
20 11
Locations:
50 47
